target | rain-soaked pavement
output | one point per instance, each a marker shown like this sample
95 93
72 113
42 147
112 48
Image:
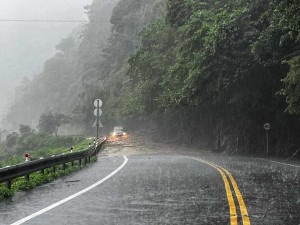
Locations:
163 187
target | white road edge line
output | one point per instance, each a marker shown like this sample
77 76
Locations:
286 164
70 197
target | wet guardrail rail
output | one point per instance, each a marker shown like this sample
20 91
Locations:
25 169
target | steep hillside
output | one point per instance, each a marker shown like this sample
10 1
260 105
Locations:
57 88
85 63
203 72
210 74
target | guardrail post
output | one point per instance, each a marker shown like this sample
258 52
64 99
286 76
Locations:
98 148
39 166
26 177
8 184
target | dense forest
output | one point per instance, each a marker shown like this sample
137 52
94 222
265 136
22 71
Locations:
203 72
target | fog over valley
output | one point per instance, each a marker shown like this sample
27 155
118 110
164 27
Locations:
25 45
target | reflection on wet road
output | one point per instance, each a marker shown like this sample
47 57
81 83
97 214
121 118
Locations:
165 188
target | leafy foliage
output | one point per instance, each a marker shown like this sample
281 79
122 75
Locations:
12 139
5 193
201 69
37 179
147 68
37 144
292 87
49 122
108 81
223 64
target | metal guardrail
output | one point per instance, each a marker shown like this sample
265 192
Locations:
25 169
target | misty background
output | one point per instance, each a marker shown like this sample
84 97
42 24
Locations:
25 46
155 64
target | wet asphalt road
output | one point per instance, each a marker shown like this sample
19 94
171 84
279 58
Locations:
164 189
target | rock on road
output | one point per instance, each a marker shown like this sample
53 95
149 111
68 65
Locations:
161 185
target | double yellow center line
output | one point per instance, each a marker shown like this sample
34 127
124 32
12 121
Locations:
232 207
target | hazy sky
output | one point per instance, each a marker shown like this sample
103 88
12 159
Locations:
24 46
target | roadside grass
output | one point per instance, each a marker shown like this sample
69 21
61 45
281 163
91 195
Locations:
80 146
36 178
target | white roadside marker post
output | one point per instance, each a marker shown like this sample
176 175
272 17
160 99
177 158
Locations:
267 127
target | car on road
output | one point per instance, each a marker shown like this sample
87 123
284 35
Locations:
118 131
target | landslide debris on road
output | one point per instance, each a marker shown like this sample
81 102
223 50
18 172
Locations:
130 145
139 142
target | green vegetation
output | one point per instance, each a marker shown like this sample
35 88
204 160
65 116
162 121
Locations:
213 69
49 122
37 179
204 72
292 86
52 146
